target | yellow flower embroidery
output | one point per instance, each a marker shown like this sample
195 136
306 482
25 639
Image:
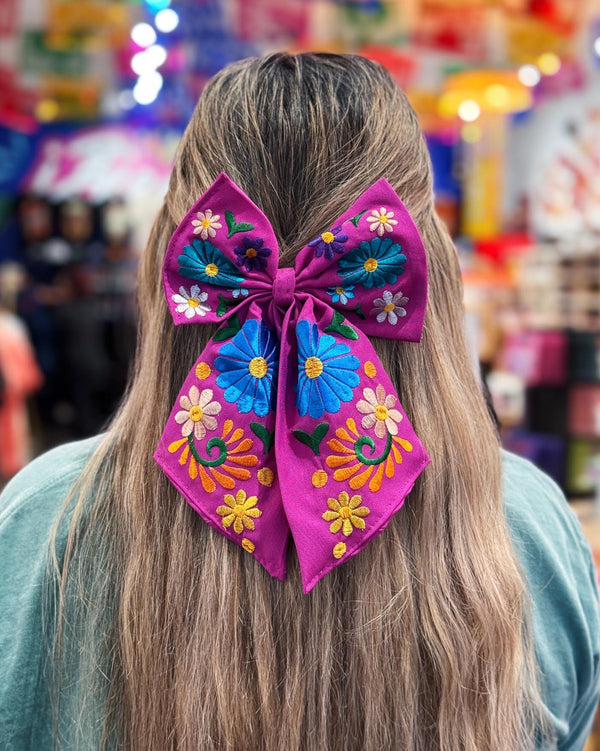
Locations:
239 511
347 463
235 460
346 513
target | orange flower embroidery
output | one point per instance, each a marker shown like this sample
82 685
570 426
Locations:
231 458
351 463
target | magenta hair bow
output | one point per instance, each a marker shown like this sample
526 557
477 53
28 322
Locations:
288 420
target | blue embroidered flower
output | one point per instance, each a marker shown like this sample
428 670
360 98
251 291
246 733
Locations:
252 255
203 261
326 372
242 291
329 242
373 264
341 294
248 365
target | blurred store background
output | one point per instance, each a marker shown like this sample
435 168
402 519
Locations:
94 95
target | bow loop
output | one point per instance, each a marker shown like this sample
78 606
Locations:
284 288
288 422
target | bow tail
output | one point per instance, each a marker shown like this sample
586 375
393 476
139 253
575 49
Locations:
347 454
217 445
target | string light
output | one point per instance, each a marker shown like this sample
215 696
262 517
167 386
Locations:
143 35
529 75
148 60
549 63
469 110
147 87
166 20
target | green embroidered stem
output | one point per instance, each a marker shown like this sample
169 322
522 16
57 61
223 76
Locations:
312 440
229 331
235 227
265 435
219 442
355 219
339 327
367 440
224 303
358 310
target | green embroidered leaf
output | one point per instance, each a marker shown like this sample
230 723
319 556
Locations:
224 303
312 440
266 436
355 219
229 331
357 310
235 227
343 329
319 433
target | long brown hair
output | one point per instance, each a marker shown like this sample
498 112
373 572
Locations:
169 636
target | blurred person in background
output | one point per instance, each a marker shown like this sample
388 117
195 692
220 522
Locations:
471 623
20 377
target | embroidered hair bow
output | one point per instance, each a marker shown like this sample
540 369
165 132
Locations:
288 420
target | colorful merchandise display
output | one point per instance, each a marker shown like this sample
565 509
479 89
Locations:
96 94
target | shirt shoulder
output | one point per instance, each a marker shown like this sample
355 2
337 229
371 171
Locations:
561 576
29 507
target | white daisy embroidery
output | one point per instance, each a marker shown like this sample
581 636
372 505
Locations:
192 303
197 413
206 225
381 221
389 307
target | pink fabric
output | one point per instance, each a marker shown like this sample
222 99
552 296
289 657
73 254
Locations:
288 421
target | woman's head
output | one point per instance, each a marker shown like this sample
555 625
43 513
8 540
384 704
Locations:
415 643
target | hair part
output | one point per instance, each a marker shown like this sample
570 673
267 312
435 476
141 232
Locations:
179 639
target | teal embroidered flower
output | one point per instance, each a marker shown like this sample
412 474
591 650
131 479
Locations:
249 366
373 264
203 261
326 372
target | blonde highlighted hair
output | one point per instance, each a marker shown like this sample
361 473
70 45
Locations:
170 637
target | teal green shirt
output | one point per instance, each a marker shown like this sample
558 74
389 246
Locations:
548 539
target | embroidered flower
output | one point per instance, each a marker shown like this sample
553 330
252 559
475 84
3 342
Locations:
203 261
248 365
373 264
351 464
206 225
378 410
341 294
381 221
192 303
252 255
239 511
240 291
231 462
197 413
326 372
329 242
346 513
389 307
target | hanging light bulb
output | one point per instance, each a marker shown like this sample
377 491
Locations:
166 20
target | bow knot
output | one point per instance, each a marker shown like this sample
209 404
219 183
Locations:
284 287
288 422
